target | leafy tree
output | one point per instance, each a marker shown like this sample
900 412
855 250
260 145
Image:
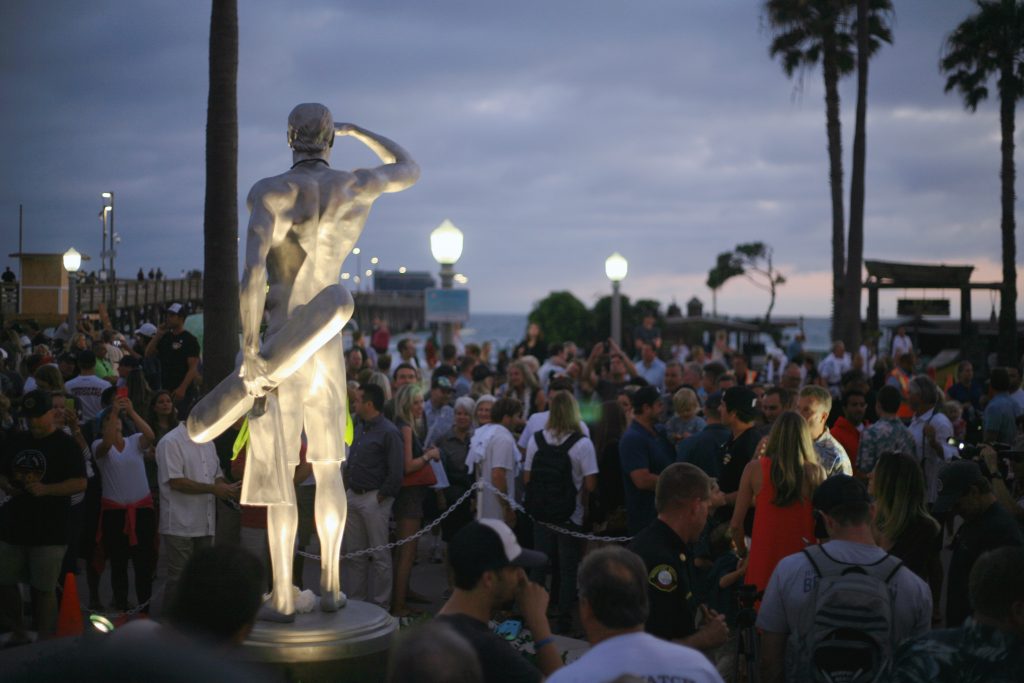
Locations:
752 260
562 317
987 44
220 222
642 306
804 33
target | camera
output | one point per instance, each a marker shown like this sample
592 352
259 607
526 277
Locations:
1005 458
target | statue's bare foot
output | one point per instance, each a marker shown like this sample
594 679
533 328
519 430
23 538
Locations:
268 613
331 601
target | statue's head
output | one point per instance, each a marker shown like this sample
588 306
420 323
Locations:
310 128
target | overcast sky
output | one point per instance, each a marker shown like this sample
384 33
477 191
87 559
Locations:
551 132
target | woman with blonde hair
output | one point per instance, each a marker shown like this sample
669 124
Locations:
782 482
902 523
561 438
408 508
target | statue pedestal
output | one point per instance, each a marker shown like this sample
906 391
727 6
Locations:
348 645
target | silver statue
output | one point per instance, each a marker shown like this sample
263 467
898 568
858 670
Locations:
302 225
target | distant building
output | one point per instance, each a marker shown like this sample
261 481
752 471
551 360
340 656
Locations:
409 281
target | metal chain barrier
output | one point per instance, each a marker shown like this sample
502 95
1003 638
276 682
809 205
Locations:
554 527
408 539
113 616
462 499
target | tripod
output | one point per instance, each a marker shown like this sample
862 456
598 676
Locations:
747 644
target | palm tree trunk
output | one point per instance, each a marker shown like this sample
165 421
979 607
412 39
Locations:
1007 173
835 157
855 252
220 223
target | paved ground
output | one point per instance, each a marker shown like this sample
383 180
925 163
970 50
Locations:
428 579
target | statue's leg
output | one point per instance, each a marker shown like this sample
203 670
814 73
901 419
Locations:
325 408
281 427
331 510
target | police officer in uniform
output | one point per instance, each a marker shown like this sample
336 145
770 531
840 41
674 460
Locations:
682 499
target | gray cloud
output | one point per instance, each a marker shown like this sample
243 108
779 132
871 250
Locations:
552 133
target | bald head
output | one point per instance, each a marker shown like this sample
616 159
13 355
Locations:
310 128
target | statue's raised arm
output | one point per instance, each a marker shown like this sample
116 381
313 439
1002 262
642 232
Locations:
399 170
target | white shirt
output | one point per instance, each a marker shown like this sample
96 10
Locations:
539 421
794 578
178 457
500 452
88 389
584 463
546 371
641 655
832 368
123 473
397 360
933 462
901 345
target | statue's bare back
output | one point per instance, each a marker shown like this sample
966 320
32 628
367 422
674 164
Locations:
302 226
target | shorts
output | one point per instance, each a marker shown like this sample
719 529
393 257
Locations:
36 565
409 502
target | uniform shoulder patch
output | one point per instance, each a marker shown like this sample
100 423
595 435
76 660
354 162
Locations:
664 578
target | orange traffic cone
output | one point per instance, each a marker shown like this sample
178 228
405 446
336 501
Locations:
69 621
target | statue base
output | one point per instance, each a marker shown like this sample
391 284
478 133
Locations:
348 645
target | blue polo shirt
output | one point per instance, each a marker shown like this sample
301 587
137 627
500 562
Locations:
640 449
1000 418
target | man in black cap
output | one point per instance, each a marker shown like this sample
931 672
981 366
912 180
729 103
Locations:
990 644
793 597
40 469
965 491
644 452
487 566
739 413
178 351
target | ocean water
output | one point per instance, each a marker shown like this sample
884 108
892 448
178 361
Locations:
505 330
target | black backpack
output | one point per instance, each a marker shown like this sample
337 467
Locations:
551 493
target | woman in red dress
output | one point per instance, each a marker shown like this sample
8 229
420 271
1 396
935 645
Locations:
782 484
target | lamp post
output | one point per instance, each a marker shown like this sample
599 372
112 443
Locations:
112 276
446 246
72 262
359 268
615 267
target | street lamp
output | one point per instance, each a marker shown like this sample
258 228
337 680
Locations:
446 247
72 262
112 276
616 267
359 266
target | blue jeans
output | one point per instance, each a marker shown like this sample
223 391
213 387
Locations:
568 551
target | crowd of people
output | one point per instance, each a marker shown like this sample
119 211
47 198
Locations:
691 510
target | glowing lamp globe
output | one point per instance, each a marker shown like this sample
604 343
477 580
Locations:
615 267
446 243
72 260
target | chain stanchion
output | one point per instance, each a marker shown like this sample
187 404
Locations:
554 527
487 486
